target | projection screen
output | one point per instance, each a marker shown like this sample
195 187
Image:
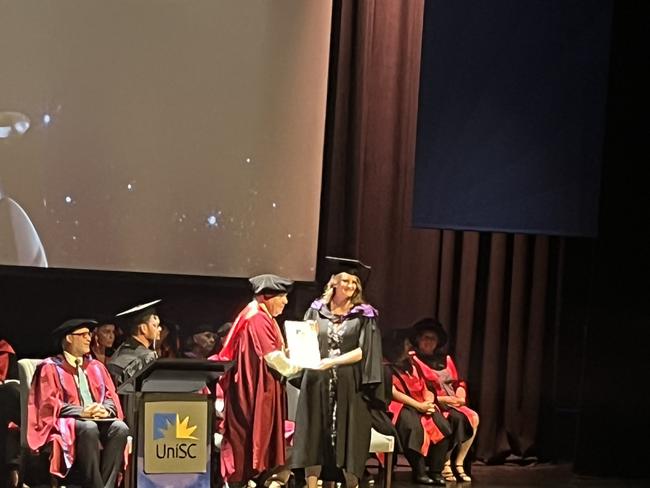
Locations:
165 136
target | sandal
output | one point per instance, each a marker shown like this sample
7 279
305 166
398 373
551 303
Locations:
14 478
462 474
448 474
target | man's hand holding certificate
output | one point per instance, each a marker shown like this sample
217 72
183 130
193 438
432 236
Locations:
302 340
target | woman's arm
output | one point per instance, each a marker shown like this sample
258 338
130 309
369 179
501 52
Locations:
429 396
454 401
423 407
351 357
461 394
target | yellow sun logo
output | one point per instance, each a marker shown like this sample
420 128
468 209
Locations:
183 429
170 426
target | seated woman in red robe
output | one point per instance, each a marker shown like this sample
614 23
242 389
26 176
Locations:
421 428
440 373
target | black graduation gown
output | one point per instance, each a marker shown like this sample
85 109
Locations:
354 384
128 359
379 414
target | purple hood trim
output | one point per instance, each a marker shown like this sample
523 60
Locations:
364 309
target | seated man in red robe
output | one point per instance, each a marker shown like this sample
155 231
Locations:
253 446
74 408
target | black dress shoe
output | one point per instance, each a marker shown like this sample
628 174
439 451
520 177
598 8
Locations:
423 480
437 478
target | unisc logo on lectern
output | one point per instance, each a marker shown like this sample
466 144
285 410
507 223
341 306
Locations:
175 436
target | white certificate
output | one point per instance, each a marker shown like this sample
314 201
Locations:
302 341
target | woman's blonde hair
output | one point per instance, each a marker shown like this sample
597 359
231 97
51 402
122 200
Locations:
330 288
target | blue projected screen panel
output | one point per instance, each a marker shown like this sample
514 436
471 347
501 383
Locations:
512 115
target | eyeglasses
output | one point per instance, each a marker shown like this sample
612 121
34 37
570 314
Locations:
82 334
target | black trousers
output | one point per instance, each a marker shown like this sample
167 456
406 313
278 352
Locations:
99 452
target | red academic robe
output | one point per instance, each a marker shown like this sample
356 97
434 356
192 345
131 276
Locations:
432 376
416 388
53 386
5 352
254 403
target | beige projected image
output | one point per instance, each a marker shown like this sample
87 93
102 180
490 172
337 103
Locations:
163 136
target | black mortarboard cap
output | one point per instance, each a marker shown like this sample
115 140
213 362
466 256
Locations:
334 266
137 314
430 324
71 325
270 284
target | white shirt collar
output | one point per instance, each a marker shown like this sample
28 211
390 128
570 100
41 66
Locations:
72 360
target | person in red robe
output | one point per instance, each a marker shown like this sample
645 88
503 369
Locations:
9 416
74 408
440 374
422 429
253 445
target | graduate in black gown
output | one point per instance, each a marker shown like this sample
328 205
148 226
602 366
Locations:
137 350
333 420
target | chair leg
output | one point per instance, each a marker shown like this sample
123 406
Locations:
388 470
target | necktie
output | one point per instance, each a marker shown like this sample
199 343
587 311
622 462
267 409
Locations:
84 389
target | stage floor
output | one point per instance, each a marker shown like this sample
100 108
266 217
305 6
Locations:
536 475
507 476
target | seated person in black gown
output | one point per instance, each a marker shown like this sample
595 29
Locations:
137 350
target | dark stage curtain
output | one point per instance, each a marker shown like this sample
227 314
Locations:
495 293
